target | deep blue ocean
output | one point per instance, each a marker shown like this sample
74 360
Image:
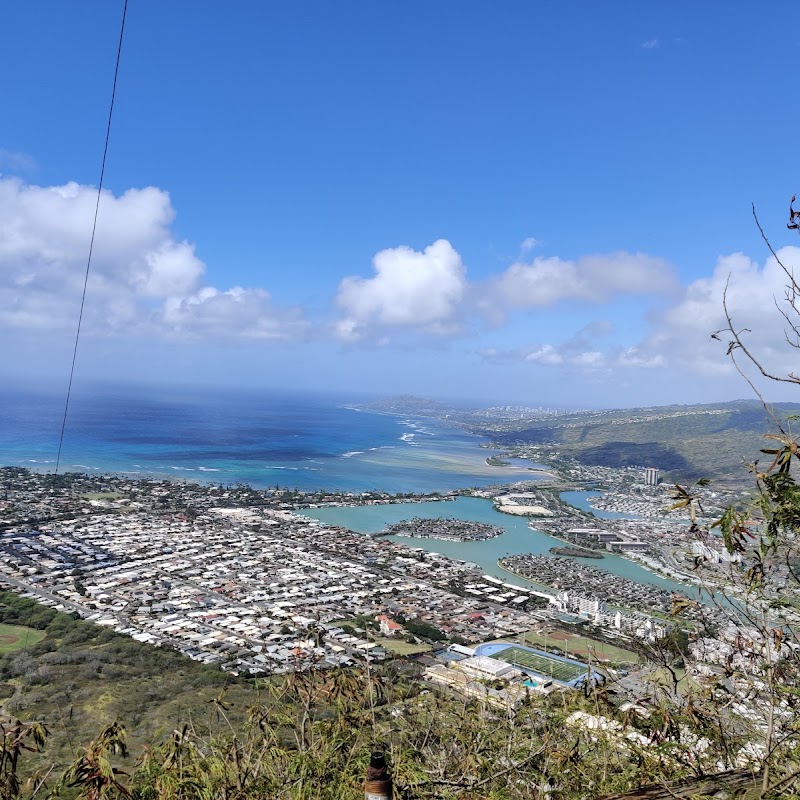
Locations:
301 440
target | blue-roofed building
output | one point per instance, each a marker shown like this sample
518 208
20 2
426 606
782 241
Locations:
540 666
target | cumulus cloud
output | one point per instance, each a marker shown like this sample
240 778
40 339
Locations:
593 359
633 357
410 290
428 292
594 279
680 338
679 342
237 312
168 270
681 334
142 279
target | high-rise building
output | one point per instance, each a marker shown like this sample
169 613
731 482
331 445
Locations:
651 476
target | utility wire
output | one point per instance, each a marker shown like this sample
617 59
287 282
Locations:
91 242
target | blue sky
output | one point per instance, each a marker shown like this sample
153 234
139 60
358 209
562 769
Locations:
532 202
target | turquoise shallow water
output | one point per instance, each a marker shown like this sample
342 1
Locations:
263 439
518 537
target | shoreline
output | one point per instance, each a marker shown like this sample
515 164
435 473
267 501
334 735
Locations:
631 557
543 587
486 553
448 460
576 552
498 461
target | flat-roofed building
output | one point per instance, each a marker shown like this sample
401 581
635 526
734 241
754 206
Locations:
485 667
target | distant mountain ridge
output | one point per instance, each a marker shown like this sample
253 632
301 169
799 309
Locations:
712 440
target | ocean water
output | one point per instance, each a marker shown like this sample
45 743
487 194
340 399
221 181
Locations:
295 440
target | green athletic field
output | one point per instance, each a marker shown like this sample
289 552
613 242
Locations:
579 647
17 637
542 664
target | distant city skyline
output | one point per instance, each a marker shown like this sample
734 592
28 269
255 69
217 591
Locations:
535 203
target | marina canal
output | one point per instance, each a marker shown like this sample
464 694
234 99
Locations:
582 501
516 539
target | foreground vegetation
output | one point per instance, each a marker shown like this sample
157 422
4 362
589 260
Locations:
79 678
161 726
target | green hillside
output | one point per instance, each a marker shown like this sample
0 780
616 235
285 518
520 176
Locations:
76 678
685 441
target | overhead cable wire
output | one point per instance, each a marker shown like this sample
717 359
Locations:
91 241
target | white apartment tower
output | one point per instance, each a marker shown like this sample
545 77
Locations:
651 476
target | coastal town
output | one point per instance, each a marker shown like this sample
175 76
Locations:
248 581
233 576
251 589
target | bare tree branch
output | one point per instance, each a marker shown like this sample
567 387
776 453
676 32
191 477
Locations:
793 287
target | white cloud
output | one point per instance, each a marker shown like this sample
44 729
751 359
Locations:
590 360
579 353
428 293
235 313
679 350
550 355
142 279
544 354
16 161
529 244
682 334
680 343
594 278
170 269
650 44
411 290
632 357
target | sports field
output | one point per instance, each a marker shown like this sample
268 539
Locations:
580 647
17 637
402 648
544 665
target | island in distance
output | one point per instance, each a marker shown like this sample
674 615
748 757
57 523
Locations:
450 530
